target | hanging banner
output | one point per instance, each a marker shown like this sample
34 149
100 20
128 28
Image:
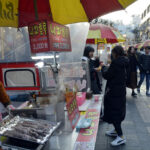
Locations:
46 36
73 112
9 13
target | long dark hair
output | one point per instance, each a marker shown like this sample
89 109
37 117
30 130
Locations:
118 51
87 50
129 50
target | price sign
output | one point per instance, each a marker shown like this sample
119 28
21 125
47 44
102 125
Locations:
38 33
73 112
48 36
59 37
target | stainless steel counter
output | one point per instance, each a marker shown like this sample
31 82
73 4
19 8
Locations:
65 138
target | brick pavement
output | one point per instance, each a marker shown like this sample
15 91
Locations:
136 126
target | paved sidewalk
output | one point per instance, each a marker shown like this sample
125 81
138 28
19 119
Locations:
136 127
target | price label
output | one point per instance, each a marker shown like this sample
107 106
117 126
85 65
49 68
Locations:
73 112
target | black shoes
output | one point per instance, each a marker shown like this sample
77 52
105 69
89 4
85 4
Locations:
134 94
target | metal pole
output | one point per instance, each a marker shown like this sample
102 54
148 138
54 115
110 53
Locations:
36 9
55 61
2 43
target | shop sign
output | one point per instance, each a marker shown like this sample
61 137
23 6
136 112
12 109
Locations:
48 36
100 41
73 112
101 46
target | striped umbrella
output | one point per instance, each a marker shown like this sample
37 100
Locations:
139 45
19 13
146 43
103 33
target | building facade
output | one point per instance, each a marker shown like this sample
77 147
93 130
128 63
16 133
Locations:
145 24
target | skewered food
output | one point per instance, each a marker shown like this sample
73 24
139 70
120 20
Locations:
31 130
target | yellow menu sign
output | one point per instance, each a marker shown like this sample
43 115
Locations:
9 13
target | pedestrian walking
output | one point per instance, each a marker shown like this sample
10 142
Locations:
145 70
133 63
93 69
115 94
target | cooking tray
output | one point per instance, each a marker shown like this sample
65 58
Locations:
32 112
15 144
31 130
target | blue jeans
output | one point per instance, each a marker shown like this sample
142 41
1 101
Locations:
142 76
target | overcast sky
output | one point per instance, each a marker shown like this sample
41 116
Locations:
136 8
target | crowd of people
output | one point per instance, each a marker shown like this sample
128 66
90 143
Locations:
139 60
119 74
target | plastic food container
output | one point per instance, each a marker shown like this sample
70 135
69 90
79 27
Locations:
81 97
69 96
96 98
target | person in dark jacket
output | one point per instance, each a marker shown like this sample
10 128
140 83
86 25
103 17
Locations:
115 94
98 74
145 70
133 63
93 69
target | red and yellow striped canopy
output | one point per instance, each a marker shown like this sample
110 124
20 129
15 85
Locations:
146 43
19 13
139 45
104 34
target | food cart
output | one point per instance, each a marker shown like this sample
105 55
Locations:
45 87
55 112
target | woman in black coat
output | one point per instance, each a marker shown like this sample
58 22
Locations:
133 63
115 94
93 69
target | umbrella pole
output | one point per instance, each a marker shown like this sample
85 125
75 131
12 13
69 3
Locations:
55 61
97 48
2 43
36 9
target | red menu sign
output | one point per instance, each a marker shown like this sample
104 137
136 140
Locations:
59 37
48 36
73 112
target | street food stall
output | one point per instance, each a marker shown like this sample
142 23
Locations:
30 113
57 97
57 94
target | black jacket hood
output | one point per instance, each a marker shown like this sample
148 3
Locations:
121 61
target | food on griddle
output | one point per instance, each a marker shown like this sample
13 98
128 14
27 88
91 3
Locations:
37 126
31 130
27 131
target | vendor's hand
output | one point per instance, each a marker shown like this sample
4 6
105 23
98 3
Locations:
102 64
109 61
98 69
96 57
11 107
